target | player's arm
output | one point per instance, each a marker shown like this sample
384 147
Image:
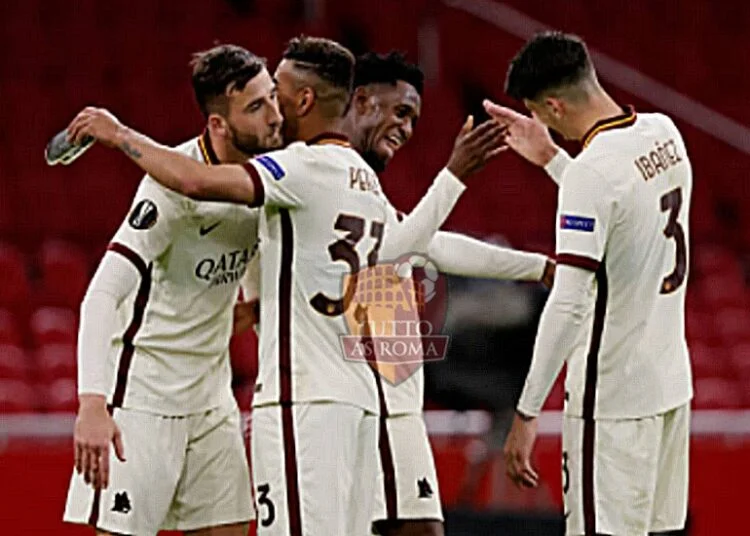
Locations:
459 254
247 312
170 168
531 139
585 213
142 237
585 210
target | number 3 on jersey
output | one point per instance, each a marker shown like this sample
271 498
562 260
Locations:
344 250
672 201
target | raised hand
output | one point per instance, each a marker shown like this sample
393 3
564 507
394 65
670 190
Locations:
475 147
526 135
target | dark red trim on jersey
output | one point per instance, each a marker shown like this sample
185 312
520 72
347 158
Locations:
589 401
328 137
579 261
625 119
260 191
285 374
141 299
209 155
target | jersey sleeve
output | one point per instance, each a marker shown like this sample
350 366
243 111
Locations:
152 221
281 178
585 209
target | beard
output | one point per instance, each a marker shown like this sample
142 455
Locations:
249 144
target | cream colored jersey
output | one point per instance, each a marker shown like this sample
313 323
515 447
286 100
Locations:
623 212
170 354
324 218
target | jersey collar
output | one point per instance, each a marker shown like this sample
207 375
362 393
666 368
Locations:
625 119
329 138
207 150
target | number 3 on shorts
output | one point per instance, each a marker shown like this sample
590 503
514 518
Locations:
269 515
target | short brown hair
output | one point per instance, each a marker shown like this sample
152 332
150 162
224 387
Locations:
329 61
219 69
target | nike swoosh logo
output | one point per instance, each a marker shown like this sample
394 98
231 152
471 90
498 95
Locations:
205 230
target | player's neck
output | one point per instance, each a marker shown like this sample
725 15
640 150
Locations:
226 152
599 108
313 129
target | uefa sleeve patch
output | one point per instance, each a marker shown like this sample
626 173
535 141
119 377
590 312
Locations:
144 215
577 223
272 166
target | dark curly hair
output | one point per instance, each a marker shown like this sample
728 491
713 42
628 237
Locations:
388 68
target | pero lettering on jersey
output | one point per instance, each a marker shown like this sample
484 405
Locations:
395 316
663 157
224 269
363 179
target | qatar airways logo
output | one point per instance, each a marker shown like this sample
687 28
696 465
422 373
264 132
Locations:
395 316
224 269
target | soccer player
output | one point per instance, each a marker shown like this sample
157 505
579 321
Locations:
314 445
153 359
616 313
386 106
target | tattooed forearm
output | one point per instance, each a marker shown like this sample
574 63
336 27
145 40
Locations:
132 152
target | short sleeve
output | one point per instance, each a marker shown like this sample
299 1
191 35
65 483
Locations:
583 218
154 217
280 178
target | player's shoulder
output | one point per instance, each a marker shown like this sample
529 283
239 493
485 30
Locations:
150 187
310 158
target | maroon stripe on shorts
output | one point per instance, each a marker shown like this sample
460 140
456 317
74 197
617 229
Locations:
285 374
384 443
94 515
589 402
141 300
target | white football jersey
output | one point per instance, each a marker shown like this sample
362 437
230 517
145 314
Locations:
324 217
170 354
623 212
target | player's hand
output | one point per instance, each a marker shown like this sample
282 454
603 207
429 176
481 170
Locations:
98 123
474 147
94 431
548 277
517 451
527 136
246 315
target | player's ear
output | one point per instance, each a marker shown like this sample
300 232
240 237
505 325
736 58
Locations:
305 101
555 106
217 124
363 101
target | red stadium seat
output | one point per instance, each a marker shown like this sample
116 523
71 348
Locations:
9 330
708 361
61 395
53 325
556 399
65 274
14 363
717 393
732 324
56 361
17 397
14 283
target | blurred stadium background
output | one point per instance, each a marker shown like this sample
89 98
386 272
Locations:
683 58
